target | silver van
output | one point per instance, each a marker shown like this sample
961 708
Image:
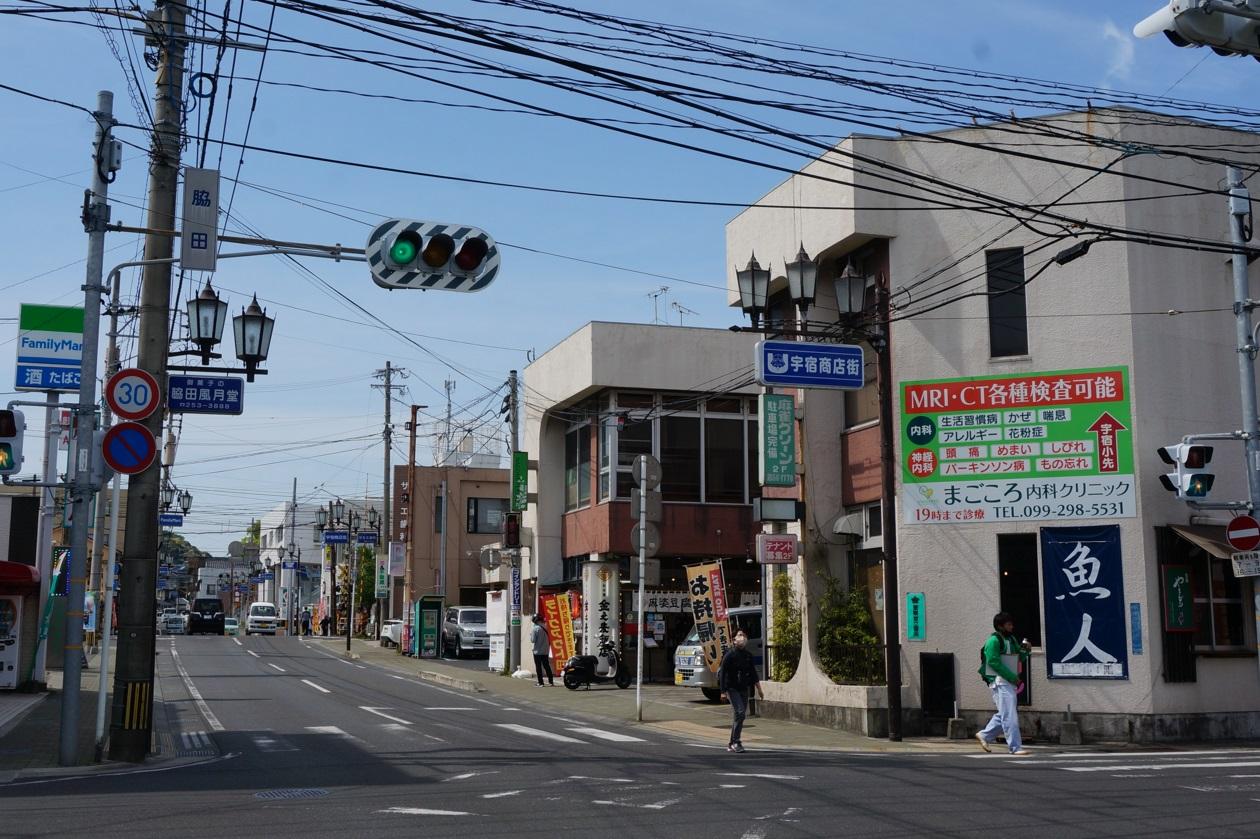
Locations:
689 667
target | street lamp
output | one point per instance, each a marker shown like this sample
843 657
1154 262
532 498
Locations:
185 501
253 328
207 314
802 275
339 511
754 288
851 288
321 518
373 517
168 496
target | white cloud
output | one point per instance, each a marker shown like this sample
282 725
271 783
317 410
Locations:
1121 64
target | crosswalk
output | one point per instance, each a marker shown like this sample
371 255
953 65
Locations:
1233 764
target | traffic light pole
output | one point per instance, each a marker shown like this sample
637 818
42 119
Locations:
95 219
514 619
1239 212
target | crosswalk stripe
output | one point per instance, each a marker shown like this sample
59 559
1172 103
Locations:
538 732
607 735
1145 767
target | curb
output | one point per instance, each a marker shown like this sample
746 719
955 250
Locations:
16 715
450 681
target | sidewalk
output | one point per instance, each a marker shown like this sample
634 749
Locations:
668 709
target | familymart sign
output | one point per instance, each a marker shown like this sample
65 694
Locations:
1031 446
49 348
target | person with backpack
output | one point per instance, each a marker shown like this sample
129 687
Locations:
1000 660
737 676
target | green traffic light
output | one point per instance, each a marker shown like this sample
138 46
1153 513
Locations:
1200 485
405 249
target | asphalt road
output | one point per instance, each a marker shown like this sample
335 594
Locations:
281 739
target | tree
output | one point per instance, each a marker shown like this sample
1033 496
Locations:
785 630
253 533
848 649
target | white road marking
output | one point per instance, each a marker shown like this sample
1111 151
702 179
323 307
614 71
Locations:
422 811
1060 757
195 740
449 708
271 744
254 654
590 778
660 805
608 735
237 641
331 729
281 669
758 832
317 687
1135 767
503 794
466 776
732 786
760 775
361 666
211 719
379 713
537 732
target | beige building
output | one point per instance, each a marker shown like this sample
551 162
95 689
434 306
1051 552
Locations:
977 296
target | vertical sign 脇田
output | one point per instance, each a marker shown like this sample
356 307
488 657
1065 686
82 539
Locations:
1021 447
1083 572
199 236
776 459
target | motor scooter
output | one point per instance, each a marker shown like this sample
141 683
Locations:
584 670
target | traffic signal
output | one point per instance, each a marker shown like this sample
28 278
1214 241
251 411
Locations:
512 530
12 429
1192 477
1189 23
411 253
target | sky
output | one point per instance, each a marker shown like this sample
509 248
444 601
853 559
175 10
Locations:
567 259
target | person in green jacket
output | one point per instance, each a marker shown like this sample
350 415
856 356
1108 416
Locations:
999 667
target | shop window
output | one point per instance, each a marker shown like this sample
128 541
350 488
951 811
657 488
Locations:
1008 309
680 458
607 445
1218 604
723 460
485 515
577 467
633 439
1019 588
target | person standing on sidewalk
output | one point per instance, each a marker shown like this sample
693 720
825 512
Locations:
306 622
737 676
541 646
1000 660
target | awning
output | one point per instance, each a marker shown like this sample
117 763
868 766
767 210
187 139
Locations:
17 575
1206 537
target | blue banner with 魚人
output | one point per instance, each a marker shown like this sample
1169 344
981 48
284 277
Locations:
1083 572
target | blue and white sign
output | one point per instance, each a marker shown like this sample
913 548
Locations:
49 347
289 566
336 537
802 364
266 576
205 394
367 537
170 520
1086 618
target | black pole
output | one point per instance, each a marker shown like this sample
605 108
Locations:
888 514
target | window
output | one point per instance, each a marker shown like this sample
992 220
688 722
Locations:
874 521
680 458
577 467
633 439
1008 313
485 515
607 445
862 406
1019 589
724 461
1218 604
439 510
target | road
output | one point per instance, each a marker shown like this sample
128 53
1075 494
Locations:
279 738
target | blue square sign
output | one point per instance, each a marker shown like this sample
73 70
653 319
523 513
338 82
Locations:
199 394
804 364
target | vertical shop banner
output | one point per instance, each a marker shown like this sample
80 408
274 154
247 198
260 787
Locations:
1083 571
707 591
559 625
776 459
1029 446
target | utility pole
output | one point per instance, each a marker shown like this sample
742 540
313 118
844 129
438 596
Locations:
514 630
888 504
95 219
408 593
1239 214
131 723
448 445
388 436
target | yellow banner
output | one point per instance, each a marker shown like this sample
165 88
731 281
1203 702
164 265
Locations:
707 591
559 625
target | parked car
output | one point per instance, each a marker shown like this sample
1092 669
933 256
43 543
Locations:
464 630
262 619
206 616
172 622
231 626
391 633
690 669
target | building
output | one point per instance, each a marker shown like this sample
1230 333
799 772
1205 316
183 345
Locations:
1022 483
604 395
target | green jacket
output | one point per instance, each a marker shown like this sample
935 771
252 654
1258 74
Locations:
1000 656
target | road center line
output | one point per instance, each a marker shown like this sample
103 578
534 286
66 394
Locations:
211 719
379 713
760 775
503 794
317 687
421 811
278 667
254 654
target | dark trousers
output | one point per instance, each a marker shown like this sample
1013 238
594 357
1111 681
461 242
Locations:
739 710
541 663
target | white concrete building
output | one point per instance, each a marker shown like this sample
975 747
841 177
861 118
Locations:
1154 322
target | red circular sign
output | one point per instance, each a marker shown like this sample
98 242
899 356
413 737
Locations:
129 448
132 393
922 463
1243 533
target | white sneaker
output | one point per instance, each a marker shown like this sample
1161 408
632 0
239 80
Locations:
984 744
1020 753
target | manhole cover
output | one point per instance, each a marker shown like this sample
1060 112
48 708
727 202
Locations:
274 794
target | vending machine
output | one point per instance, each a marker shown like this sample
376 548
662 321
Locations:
10 649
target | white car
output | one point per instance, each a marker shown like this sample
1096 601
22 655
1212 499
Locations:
172 622
262 619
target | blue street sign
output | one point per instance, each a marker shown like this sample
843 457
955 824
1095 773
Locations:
336 537
241 588
266 576
367 537
803 364
289 566
170 520
200 394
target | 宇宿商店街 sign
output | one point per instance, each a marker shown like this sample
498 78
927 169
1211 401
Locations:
1029 446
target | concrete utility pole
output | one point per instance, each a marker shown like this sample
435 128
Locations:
408 592
131 723
1239 213
95 219
514 629
888 514
388 436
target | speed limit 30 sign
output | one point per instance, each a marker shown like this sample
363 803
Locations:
132 394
